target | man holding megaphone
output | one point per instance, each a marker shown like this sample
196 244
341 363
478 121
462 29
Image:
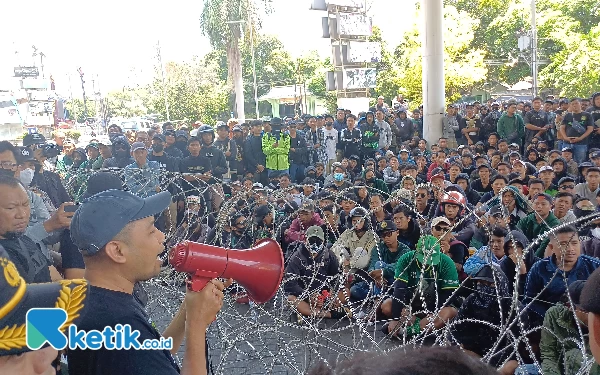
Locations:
115 232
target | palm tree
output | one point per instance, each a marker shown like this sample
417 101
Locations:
224 23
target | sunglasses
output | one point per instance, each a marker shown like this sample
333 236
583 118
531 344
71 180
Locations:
421 195
386 234
440 228
565 187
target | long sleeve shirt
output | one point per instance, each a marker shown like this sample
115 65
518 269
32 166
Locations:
143 181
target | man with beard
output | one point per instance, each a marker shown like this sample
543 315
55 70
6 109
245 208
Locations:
122 154
115 232
29 259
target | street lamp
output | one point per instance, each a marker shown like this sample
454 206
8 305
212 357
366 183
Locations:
253 62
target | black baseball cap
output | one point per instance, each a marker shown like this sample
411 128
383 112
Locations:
386 226
33 139
102 216
24 154
159 136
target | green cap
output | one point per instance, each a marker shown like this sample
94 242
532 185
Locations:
315 231
428 250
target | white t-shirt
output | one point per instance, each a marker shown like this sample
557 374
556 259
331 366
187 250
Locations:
331 137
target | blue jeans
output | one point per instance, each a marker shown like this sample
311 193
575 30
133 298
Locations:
579 151
297 172
360 290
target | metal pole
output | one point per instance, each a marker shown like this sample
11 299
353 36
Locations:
433 69
534 57
164 85
254 68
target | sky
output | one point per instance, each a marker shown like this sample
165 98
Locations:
114 42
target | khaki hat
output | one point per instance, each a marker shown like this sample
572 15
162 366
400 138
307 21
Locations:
315 231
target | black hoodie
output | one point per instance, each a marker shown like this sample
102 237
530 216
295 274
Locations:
119 160
558 176
510 268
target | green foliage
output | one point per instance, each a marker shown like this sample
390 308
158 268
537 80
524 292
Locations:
464 67
72 134
76 109
194 92
389 82
574 69
126 103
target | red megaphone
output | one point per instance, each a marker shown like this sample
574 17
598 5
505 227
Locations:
259 269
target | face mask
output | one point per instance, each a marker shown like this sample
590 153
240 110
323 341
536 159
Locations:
338 176
543 149
122 154
26 176
372 179
158 148
113 136
311 174
314 248
581 213
486 292
596 232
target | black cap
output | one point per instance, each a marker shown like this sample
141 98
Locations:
33 139
159 136
24 154
565 179
386 226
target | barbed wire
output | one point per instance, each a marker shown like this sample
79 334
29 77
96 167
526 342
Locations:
276 337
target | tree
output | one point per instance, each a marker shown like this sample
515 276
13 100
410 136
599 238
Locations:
222 21
194 92
464 66
388 75
75 109
127 103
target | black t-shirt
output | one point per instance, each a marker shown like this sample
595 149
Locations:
167 163
194 164
576 125
478 186
107 308
31 263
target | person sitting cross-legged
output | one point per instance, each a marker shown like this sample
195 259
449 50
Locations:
425 281
309 275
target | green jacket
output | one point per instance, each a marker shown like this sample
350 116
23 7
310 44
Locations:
382 253
63 165
277 157
511 128
532 229
558 346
